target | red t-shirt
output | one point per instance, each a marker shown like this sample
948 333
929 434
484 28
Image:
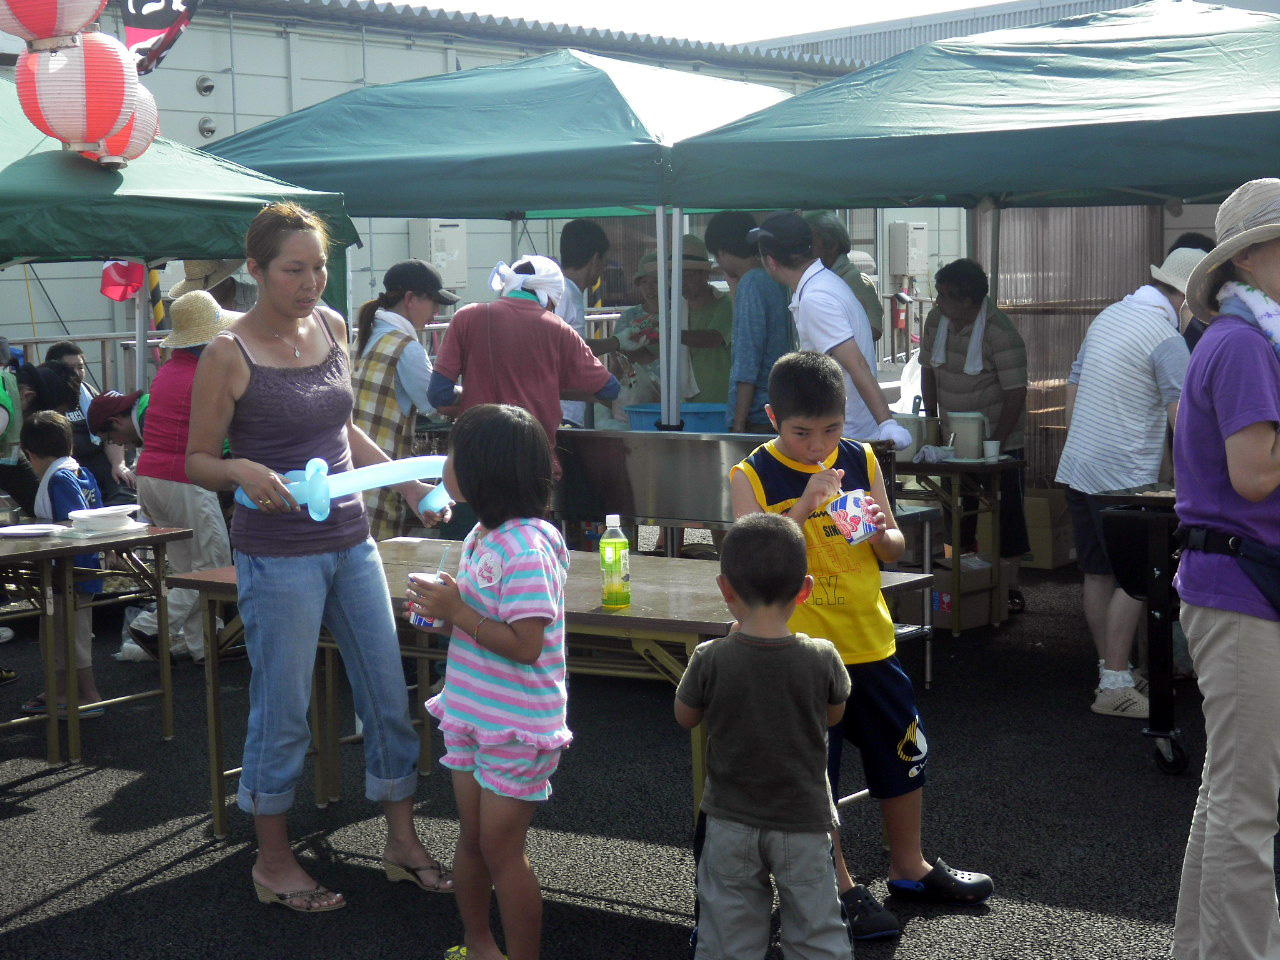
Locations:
164 450
514 351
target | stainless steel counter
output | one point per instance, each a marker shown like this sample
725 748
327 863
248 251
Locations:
668 479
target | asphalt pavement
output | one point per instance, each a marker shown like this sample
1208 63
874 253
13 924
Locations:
112 857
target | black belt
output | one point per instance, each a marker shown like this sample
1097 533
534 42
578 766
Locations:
1260 563
1206 540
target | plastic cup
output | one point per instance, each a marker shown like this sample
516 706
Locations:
946 453
429 623
991 450
849 513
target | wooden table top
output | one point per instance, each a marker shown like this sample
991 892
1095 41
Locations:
25 549
667 594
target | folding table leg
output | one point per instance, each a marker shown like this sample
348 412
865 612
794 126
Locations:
162 625
420 712
333 757
48 650
213 718
65 585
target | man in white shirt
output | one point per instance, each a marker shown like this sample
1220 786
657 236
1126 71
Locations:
831 245
583 245
1123 390
830 320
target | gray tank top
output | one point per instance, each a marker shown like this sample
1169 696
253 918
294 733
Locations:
287 416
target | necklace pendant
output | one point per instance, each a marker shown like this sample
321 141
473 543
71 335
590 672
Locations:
297 352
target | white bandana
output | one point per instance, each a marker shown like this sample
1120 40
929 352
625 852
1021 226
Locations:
546 281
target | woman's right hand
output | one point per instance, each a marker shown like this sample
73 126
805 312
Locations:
263 486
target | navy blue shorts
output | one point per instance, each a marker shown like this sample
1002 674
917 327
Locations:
881 720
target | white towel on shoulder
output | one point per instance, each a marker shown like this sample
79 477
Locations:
972 359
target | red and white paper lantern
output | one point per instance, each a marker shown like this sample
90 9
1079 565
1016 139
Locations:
80 95
48 24
132 141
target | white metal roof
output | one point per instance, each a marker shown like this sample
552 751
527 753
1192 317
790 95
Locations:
533 33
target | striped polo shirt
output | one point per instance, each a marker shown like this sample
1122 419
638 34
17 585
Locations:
514 572
1130 367
1004 368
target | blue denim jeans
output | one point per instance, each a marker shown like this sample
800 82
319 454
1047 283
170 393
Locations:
284 601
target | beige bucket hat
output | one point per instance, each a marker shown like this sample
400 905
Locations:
1250 215
1177 267
203 275
196 319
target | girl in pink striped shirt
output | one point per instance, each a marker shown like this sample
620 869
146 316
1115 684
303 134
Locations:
502 710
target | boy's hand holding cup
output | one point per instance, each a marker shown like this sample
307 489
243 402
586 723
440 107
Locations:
857 516
822 486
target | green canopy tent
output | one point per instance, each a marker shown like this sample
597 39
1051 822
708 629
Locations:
173 202
1165 101
563 135
567 134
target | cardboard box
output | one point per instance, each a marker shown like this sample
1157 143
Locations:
1049 530
977 580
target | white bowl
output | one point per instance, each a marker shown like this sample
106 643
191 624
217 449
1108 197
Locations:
104 518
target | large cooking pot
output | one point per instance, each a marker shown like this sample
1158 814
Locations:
970 428
924 431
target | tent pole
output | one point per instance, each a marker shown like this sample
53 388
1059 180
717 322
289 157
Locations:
672 368
995 256
664 307
142 312
515 239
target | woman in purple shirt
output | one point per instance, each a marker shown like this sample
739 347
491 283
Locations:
277 383
1227 461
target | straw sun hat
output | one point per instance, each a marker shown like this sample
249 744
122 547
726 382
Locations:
1250 215
694 258
203 275
196 319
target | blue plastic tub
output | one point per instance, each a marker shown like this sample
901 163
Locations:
698 417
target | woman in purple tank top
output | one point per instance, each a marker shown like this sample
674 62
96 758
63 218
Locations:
277 384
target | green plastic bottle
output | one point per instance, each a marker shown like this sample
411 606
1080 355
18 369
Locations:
615 565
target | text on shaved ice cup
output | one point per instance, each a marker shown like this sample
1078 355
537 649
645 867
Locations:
849 513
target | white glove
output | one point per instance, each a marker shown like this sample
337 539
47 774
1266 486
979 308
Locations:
927 454
895 432
630 340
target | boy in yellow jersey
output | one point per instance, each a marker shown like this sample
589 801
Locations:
797 474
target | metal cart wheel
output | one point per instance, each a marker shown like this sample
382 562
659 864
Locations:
1170 756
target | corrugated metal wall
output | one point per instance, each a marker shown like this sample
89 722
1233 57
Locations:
1058 268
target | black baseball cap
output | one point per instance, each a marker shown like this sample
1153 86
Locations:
418 276
783 233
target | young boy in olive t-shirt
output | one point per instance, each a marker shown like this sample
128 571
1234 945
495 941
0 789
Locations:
767 696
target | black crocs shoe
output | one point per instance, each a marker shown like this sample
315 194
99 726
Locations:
945 884
867 917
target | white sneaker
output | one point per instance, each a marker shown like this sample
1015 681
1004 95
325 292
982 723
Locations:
1140 682
1121 702
6 634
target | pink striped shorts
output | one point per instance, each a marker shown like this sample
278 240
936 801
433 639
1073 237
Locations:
511 769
